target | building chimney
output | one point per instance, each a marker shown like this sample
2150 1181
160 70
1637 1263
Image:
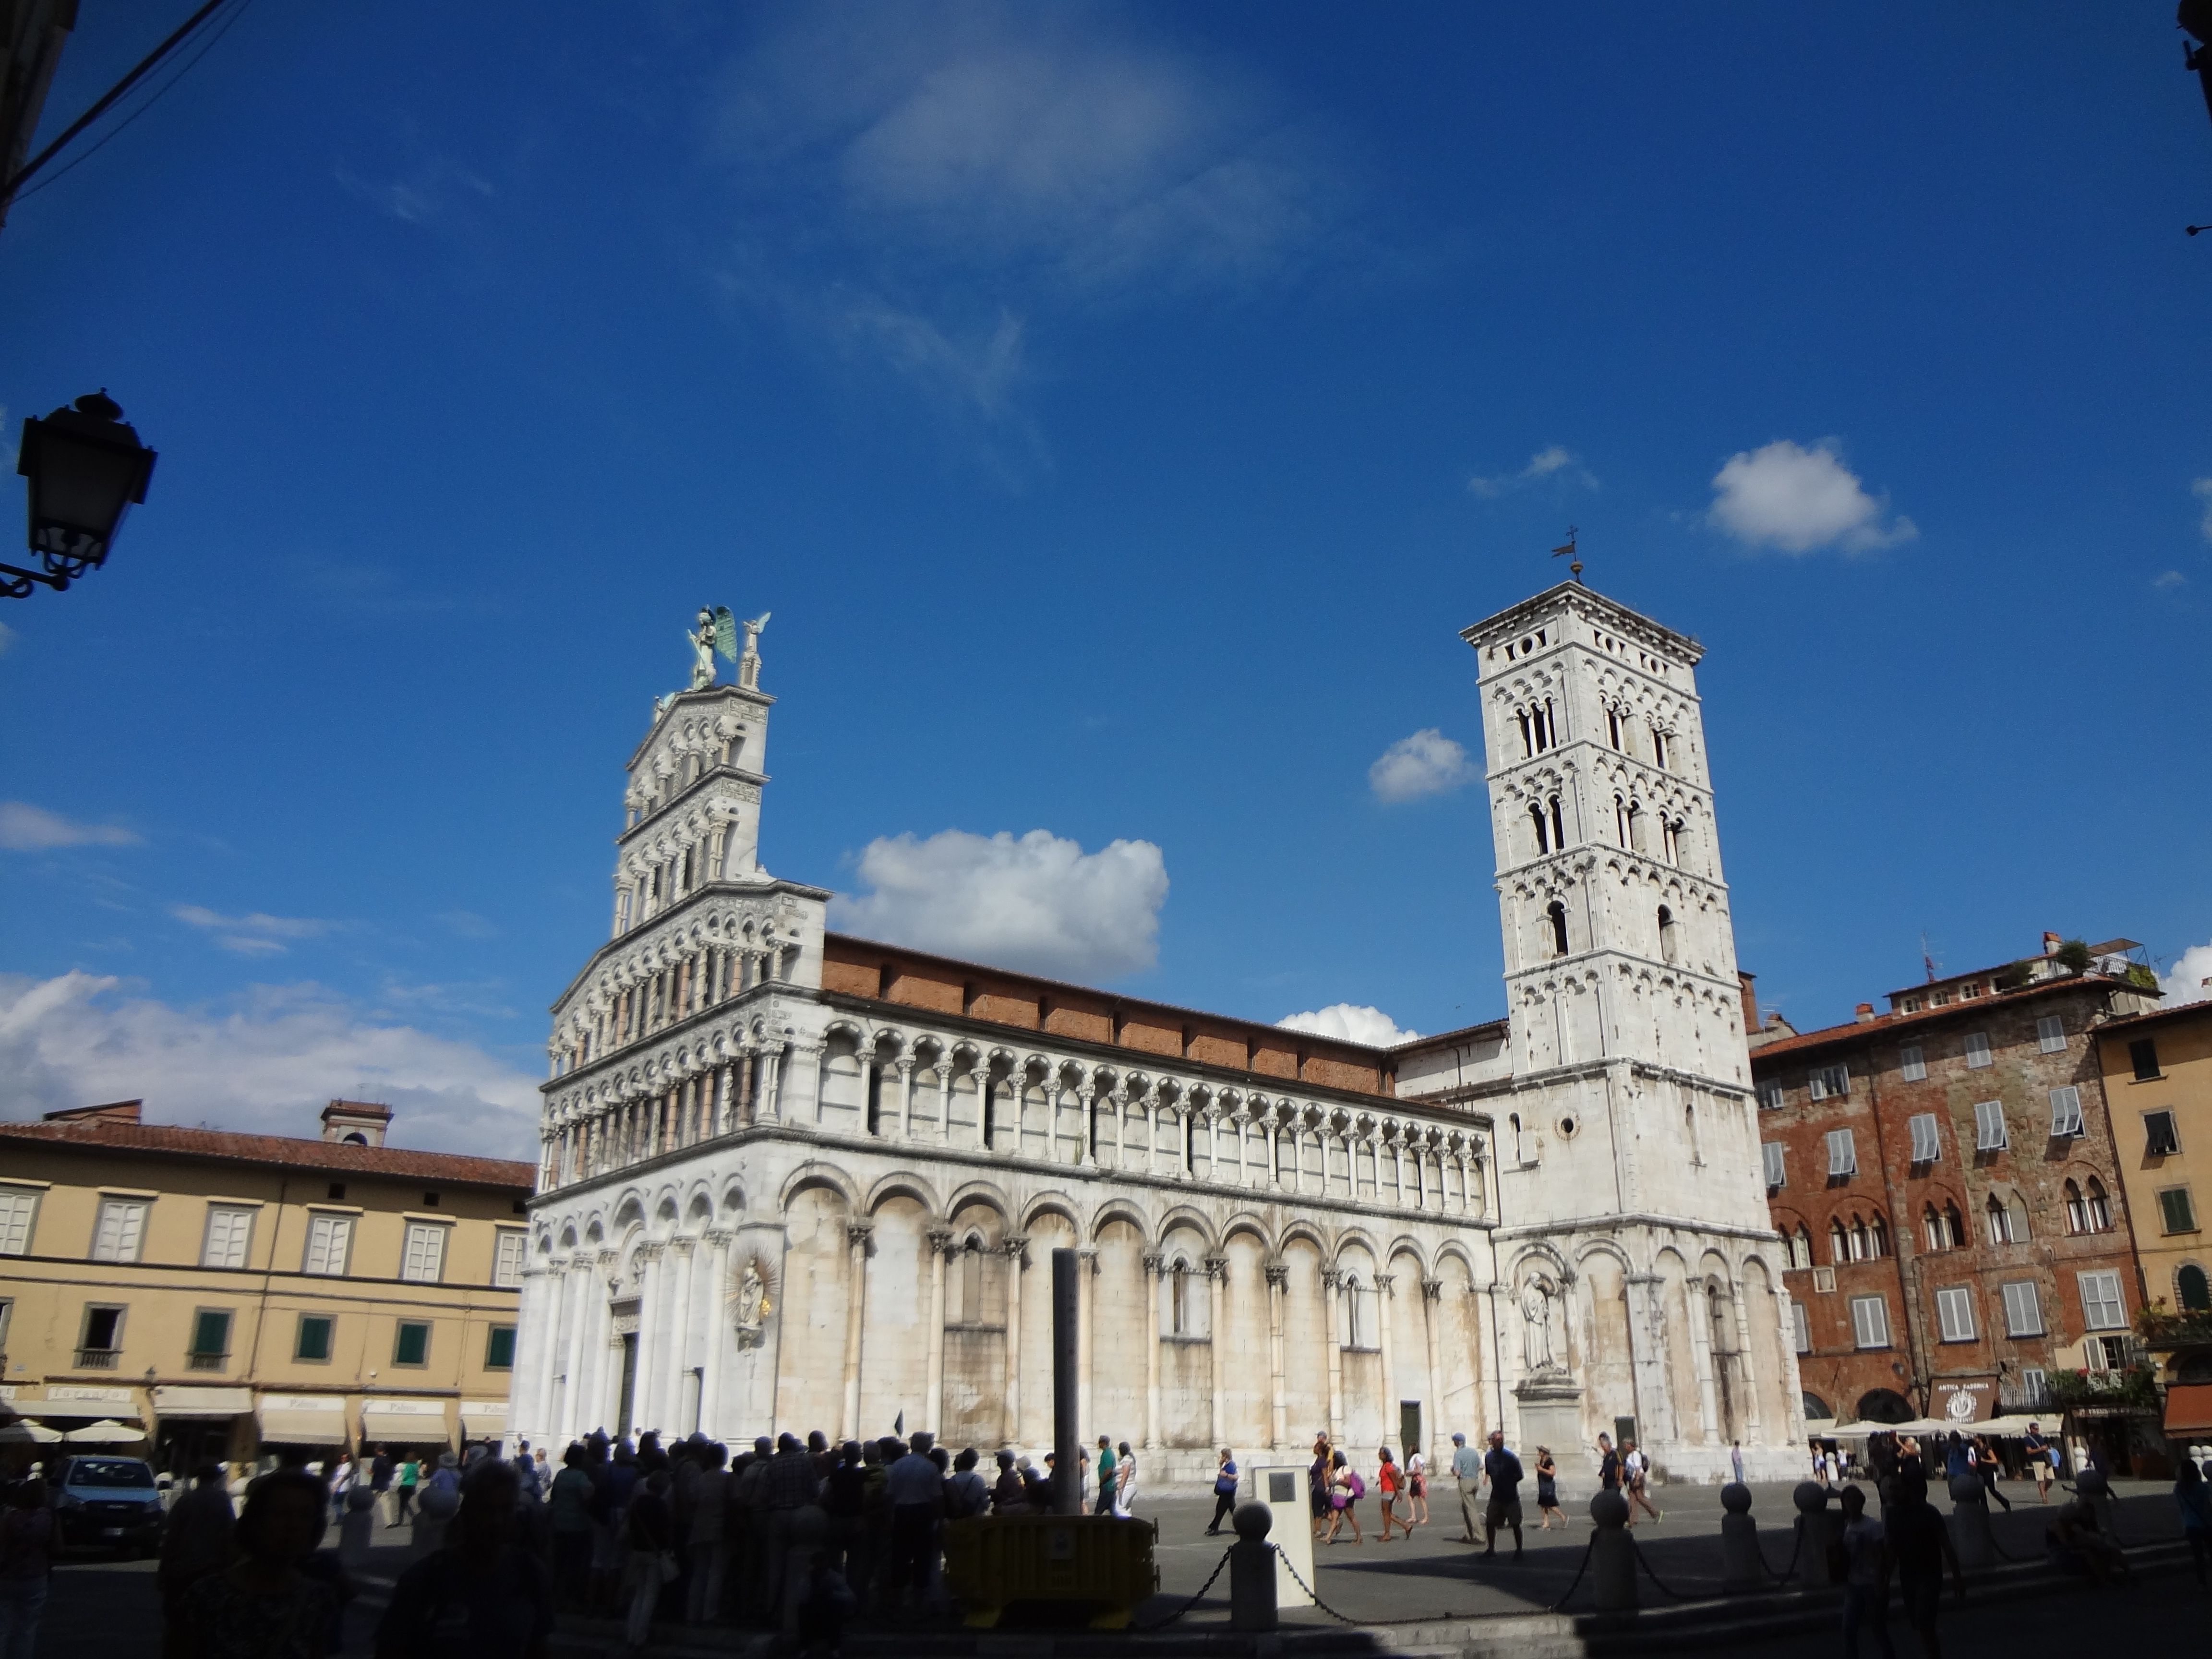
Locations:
116 1111
2050 944
1750 999
356 1122
1865 1011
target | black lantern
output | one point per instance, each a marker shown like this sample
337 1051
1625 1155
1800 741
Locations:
86 468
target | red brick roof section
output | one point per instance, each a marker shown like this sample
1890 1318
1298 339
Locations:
1860 1028
341 1157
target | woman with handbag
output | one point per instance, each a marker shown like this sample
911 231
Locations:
1345 1489
1224 1493
1417 1485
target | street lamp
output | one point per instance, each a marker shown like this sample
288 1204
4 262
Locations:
86 468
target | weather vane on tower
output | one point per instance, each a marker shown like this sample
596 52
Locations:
1573 558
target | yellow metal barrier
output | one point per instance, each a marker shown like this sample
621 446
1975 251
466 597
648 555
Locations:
1098 1567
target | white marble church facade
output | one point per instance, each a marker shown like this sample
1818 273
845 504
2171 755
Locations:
795 1180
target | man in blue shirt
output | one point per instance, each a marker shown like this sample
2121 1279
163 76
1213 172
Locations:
1501 1469
1466 1469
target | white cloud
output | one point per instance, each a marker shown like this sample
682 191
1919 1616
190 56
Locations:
2202 489
2167 581
1555 462
1352 1022
1033 143
1796 499
258 934
2186 983
265 1061
1426 763
8 635
1039 902
28 829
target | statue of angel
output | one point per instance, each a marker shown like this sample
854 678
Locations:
753 632
702 650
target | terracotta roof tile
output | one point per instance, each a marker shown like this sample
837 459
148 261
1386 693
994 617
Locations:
339 1156
1828 1034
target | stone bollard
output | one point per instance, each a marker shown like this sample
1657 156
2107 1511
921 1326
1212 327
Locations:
1742 1567
1613 1554
1819 1525
357 1527
1970 1524
1252 1569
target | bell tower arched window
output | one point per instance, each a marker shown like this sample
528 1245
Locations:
1670 834
1613 726
1670 935
1559 824
1556 913
1620 820
1542 827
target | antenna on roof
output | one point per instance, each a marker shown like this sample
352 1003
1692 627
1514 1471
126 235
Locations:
1927 961
1574 559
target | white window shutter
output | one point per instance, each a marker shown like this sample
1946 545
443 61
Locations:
16 1210
1771 1152
1978 1049
1989 1126
1843 1155
1912 1063
2066 1111
1801 1327
1927 1144
2050 1034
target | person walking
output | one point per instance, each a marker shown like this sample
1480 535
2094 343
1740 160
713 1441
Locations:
2194 1499
1501 1470
1125 1481
1109 1487
27 1564
409 1477
2037 1450
1635 1471
1736 1460
1866 1578
1920 1545
1608 1465
1417 1484
1346 1488
1389 1485
1224 1493
1548 1491
1466 1471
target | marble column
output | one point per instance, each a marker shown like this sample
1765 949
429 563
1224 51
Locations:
1279 1277
1331 1285
856 1298
717 1327
1385 1294
1750 1410
1703 1361
982 1079
932 1403
1086 1298
1086 1100
1217 1283
906 1097
1017 1248
1154 1261
1655 1419
770 1107
653 1355
1432 1407
575 1399
678 1327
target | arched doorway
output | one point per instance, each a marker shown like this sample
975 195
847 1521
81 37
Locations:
1884 1406
1817 1407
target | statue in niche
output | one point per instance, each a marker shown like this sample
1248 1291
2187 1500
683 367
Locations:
1539 1307
751 1303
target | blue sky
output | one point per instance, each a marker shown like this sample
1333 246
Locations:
1121 410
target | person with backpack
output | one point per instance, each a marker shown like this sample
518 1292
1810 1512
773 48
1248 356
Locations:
1501 1469
1346 1488
1390 1482
1224 1493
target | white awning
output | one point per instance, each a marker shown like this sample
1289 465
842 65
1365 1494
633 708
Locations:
80 1402
303 1419
404 1422
181 1400
108 1433
484 1420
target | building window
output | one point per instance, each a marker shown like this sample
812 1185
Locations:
1801 1327
313 1342
2100 1206
499 1348
2035 1387
410 1344
2161 1138
1770 1152
2008 1221
1612 727
1927 1144
210 1346
121 1229
1842 1154
1770 1094
2050 1034
1870 1322
2175 1212
1912 1063
1670 839
1840 1241
2192 1290
19 1209
2065 1112
2023 1309
1830 1082
1543 829
230 1235
1556 913
2142 1054
1660 750
1620 821
1801 1247
1954 1313
1978 1049
1667 935
425 1262
2101 1307
101 1341
1945 1230
1989 1126
329 1242
507 1259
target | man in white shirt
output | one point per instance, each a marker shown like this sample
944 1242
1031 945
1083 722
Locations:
916 1491
1466 1469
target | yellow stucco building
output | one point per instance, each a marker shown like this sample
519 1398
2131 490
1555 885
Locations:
225 1293
2158 1080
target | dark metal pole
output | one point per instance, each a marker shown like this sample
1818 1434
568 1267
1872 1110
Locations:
1066 1430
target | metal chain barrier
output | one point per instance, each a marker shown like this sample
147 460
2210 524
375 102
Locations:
1588 1550
1664 1588
1163 1623
1796 1550
1330 1611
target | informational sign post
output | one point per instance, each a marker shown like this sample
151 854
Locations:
1284 1490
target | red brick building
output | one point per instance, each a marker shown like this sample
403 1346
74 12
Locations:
1947 1178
